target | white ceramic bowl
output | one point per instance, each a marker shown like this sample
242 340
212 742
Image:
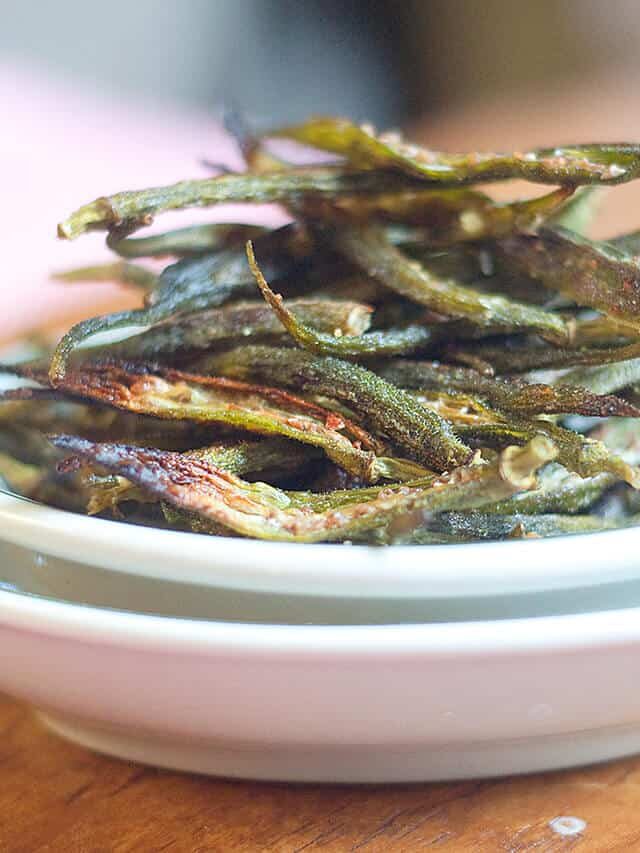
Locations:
346 704
108 562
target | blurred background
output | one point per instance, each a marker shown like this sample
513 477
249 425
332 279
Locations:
100 97
389 62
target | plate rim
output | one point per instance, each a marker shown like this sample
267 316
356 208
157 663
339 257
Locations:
464 570
455 640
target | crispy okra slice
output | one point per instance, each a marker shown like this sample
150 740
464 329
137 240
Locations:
597 163
596 275
243 321
261 511
273 456
186 287
183 397
420 433
369 248
400 341
558 491
586 456
509 395
292 185
183 242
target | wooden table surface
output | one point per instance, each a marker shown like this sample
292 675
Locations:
58 797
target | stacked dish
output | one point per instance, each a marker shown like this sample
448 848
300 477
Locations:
266 661
366 375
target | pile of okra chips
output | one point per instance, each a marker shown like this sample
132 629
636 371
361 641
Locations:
406 362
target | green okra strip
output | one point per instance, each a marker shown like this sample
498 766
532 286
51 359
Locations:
246 321
422 434
193 240
571 164
261 511
515 357
120 272
559 491
186 287
202 282
586 456
368 248
246 457
476 525
402 341
177 396
592 274
293 185
605 378
510 395
446 217
267 456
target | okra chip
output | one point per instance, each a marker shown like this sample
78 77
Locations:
605 163
293 185
587 456
446 217
369 248
273 456
189 286
419 432
509 395
243 321
261 511
593 274
183 242
177 396
559 491
389 342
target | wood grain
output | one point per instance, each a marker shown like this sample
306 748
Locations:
58 797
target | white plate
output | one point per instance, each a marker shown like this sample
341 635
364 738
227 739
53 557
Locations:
339 571
344 704
23 570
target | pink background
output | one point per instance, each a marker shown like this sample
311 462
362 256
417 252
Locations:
63 147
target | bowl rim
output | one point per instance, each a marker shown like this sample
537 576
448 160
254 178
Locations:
86 623
434 571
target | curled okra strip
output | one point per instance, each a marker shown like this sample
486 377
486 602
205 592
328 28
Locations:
293 185
388 342
510 395
178 396
368 248
593 274
193 240
606 163
422 434
261 511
